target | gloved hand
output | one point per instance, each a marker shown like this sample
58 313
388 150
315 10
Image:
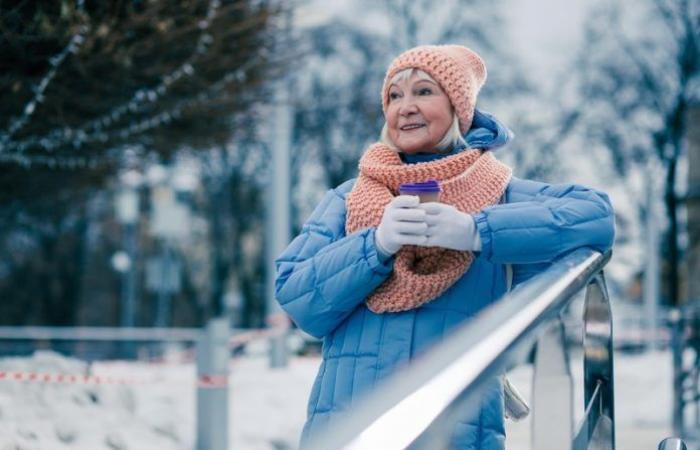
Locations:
450 228
403 223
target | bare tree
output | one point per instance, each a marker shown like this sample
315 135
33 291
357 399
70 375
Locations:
86 84
636 88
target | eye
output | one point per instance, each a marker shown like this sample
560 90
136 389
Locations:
393 95
425 91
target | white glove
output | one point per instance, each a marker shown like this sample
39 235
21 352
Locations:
450 228
403 223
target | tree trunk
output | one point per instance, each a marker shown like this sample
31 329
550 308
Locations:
676 134
693 205
220 264
671 202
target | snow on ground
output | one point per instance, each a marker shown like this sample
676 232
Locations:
37 415
643 400
268 406
156 412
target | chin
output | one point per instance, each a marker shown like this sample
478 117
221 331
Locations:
413 148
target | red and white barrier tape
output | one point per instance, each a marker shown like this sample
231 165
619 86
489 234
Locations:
39 377
212 381
258 333
280 326
203 381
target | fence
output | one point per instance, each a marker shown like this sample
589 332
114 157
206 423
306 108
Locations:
213 350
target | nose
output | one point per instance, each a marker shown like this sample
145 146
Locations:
408 106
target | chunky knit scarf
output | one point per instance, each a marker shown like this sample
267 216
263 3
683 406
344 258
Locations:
470 181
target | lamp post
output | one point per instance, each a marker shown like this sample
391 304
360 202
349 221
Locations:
169 224
127 208
124 261
651 270
278 223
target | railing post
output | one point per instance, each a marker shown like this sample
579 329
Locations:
212 386
598 364
552 392
672 444
676 322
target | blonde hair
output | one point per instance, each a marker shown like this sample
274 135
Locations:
453 136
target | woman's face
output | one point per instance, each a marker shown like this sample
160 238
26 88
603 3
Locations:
418 115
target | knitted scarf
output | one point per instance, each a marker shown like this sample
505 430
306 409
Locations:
470 181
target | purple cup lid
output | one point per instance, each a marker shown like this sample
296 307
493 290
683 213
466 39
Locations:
422 187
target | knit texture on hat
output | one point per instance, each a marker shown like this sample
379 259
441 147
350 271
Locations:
460 72
469 181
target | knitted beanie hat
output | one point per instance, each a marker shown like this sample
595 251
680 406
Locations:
460 72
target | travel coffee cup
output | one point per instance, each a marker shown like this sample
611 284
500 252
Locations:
427 191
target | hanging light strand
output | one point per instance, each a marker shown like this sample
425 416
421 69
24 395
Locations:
177 111
54 63
150 95
81 162
52 162
81 138
61 136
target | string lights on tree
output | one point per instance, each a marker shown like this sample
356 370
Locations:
145 124
217 43
54 63
96 130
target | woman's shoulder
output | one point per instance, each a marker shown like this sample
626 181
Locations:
520 189
331 208
344 188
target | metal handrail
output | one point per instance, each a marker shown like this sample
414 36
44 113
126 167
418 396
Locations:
408 408
672 444
37 333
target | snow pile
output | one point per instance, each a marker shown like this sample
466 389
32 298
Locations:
156 412
37 415
267 406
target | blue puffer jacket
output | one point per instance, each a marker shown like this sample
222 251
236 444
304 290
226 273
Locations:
324 276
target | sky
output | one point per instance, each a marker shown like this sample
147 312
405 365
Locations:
546 33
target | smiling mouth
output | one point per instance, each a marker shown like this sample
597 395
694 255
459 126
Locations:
413 126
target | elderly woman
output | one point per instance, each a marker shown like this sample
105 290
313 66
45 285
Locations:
381 276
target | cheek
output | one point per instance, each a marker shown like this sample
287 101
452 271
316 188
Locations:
445 117
391 115
392 122
441 123
447 121
440 111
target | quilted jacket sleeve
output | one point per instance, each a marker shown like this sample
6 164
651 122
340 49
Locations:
540 222
323 274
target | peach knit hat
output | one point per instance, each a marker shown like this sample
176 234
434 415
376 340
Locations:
460 72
